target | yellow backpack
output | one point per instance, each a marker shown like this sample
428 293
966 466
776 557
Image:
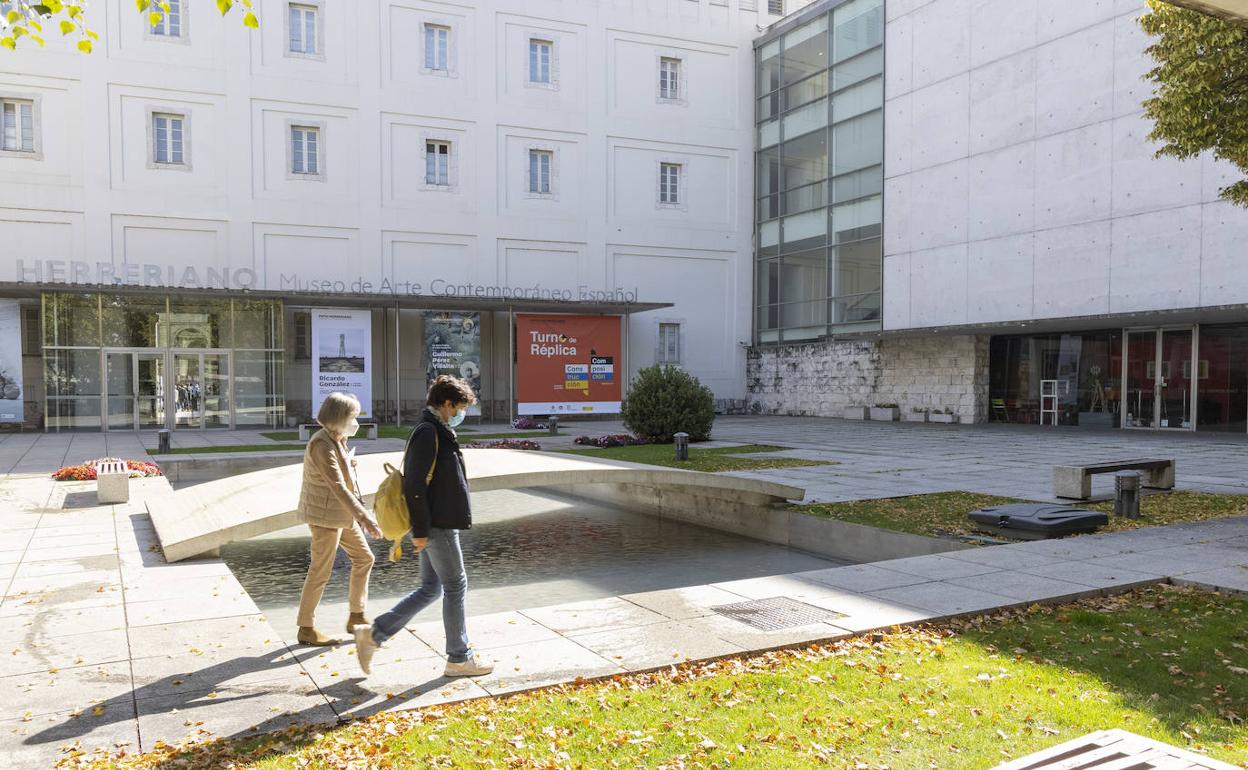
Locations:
390 506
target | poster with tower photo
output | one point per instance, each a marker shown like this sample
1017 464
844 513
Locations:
343 344
11 409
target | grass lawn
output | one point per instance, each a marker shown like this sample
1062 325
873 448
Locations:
708 460
393 431
208 450
1163 662
944 513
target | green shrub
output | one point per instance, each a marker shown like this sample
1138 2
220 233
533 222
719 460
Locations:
666 400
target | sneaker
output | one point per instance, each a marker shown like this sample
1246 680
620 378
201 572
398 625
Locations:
474 666
365 647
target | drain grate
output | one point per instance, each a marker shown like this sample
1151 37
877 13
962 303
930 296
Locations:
776 613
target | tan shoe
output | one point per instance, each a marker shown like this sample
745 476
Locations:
309 635
357 619
365 646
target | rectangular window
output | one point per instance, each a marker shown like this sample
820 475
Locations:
539 171
438 163
170 25
305 145
32 331
303 335
303 23
437 46
539 60
19 125
669 183
669 343
167 138
775 7
669 78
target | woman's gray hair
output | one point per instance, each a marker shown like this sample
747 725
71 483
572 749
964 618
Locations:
337 412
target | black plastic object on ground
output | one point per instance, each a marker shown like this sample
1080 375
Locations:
1037 521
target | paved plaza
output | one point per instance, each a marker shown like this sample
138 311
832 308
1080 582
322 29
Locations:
111 646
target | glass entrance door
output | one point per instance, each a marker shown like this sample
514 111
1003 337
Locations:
150 392
201 389
120 391
1159 377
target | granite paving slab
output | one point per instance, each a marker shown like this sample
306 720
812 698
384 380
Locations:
38 742
945 599
937 567
66 689
749 638
1005 557
494 630
862 577
25 650
233 711
529 666
1095 574
396 686
607 614
684 603
661 644
863 612
1025 586
1226 579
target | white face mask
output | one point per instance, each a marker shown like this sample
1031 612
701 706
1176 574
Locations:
352 429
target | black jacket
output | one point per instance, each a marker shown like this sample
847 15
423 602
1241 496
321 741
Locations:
444 502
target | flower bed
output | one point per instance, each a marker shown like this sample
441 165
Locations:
507 443
86 471
527 423
606 442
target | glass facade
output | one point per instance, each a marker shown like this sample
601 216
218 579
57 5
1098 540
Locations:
127 361
819 175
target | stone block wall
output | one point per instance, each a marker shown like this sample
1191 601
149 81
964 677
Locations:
822 378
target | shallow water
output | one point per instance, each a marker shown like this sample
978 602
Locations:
525 549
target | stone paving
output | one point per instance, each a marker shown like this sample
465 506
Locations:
112 647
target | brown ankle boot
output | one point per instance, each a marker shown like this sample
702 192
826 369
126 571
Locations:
309 635
357 619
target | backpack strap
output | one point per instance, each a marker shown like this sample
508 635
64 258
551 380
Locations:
437 447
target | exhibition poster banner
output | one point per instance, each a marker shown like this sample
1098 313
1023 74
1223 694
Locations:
11 409
453 346
568 364
343 343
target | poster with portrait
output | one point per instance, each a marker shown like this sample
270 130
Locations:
11 409
567 364
342 345
453 346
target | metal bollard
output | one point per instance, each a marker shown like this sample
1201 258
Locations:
162 441
682 446
1127 494
553 426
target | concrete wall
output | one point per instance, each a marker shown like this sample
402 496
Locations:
823 378
1019 180
92 193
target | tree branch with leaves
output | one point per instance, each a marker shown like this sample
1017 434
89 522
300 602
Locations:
23 19
1200 100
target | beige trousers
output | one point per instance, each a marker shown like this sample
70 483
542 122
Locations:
325 542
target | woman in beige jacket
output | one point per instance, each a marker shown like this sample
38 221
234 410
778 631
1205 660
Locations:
331 505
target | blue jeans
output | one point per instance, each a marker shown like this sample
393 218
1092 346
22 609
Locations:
441 574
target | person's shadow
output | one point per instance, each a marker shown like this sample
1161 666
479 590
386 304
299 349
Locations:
339 696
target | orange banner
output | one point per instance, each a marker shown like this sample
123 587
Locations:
568 364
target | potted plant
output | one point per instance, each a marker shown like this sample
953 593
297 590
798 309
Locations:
885 412
916 414
947 417
855 413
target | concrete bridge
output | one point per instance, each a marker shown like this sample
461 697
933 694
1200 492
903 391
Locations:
199 519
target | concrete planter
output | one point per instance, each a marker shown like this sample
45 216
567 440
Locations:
855 413
885 414
947 419
916 416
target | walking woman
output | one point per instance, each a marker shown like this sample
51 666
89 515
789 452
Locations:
331 506
436 489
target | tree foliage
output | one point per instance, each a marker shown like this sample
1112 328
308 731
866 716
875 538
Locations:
1200 101
666 400
29 20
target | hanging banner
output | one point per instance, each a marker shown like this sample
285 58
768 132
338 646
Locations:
343 341
11 409
568 364
453 346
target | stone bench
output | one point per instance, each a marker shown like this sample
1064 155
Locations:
306 430
1075 481
112 483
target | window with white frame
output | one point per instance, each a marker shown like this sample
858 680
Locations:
168 136
540 162
17 117
669 78
669 343
541 53
305 150
303 22
669 183
438 163
775 7
170 24
437 48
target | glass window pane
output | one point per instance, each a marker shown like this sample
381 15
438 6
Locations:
856 221
1222 403
769 237
804 276
867 65
295 29
133 321
858 143
258 324
806 198
309 30
857 26
859 184
857 268
813 87
198 322
767 76
806 119
864 97
856 308
805 160
805 231
71 319
767 282
258 389
804 320
805 51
